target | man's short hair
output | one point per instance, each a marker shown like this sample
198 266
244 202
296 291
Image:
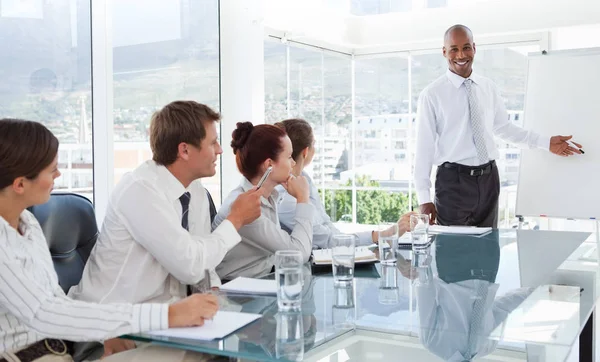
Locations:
457 27
177 122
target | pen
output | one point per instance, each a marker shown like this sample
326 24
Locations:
575 146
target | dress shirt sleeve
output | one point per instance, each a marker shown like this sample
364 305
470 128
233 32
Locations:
505 304
322 231
215 281
286 211
509 132
52 314
364 237
147 217
267 235
425 152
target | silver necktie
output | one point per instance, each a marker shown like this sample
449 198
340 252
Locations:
477 125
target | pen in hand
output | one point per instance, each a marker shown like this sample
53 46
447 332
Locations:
572 144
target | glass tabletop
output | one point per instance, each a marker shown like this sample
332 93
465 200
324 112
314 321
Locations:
463 297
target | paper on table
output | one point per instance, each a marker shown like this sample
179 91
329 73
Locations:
462 230
222 324
361 255
250 286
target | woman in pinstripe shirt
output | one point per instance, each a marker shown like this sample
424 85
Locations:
35 314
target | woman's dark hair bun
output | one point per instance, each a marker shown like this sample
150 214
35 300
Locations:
240 135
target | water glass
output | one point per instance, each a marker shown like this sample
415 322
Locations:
342 258
289 279
419 224
389 293
343 310
388 243
289 336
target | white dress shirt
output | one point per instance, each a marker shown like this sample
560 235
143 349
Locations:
33 306
323 228
445 312
143 253
255 255
444 132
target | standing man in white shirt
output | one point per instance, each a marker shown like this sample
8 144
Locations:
156 239
458 116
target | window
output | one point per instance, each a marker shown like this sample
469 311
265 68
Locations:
507 67
168 52
46 77
374 7
275 81
384 122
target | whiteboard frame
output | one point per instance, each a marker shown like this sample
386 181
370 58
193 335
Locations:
554 53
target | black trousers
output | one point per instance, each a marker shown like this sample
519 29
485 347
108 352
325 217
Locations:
467 195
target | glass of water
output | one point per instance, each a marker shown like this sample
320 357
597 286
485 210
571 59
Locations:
289 279
389 293
419 223
342 258
343 311
289 342
388 243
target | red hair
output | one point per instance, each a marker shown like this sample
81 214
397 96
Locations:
252 145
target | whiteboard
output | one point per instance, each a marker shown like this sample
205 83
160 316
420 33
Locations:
562 97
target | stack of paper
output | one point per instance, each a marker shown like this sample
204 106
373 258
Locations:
361 255
250 286
459 230
222 324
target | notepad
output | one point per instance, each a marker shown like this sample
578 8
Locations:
250 286
458 230
222 324
361 255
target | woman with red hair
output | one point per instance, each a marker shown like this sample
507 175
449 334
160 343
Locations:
256 149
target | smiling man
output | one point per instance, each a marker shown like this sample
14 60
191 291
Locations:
458 116
156 239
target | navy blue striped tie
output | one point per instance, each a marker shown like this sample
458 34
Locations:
204 284
185 207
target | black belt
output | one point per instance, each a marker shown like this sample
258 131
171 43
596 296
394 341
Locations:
471 170
41 349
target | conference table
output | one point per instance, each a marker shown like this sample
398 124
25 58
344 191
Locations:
509 295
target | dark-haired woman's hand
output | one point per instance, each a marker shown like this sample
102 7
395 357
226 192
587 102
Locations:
298 187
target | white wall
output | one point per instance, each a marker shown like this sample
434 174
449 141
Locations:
483 17
576 37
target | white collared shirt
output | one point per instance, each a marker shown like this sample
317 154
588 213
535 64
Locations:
323 228
255 255
444 131
446 310
33 306
143 253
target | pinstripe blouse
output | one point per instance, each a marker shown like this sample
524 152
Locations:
34 307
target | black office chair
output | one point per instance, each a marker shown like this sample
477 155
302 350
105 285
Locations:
69 224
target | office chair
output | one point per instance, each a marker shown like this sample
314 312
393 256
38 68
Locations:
69 224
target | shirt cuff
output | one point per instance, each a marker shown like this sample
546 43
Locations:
364 237
215 281
424 196
543 143
150 317
305 211
228 233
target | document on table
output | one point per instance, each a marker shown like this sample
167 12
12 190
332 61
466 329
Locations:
250 286
362 254
222 324
459 230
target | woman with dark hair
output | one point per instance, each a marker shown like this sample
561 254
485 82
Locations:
256 149
303 144
35 314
